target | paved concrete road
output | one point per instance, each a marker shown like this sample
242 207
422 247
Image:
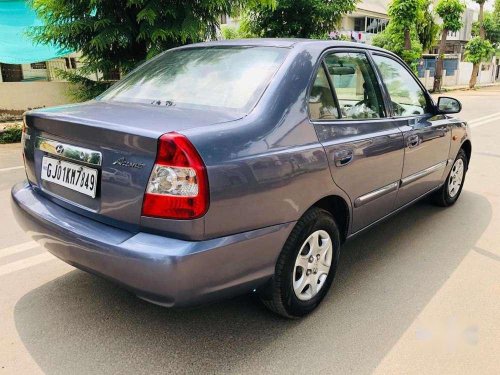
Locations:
420 293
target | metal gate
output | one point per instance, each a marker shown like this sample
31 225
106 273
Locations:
11 72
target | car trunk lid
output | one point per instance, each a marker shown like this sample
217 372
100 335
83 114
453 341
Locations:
115 141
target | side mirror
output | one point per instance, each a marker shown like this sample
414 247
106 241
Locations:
448 105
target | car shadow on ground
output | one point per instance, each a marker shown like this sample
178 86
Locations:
79 323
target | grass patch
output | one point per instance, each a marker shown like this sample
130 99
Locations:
11 134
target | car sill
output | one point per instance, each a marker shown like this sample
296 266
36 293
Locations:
355 234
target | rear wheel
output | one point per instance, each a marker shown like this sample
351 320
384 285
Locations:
448 194
306 266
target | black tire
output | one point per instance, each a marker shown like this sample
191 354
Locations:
278 295
442 197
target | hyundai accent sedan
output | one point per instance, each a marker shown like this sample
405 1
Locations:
222 168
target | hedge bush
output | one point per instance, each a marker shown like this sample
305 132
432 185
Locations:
11 134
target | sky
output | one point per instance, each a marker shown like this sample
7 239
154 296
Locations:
487 6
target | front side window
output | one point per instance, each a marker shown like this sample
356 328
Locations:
355 85
229 78
408 98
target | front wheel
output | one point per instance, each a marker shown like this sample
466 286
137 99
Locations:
306 266
448 194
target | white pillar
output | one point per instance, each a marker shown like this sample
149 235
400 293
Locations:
427 75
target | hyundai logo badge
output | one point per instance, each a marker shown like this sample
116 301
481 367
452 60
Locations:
59 149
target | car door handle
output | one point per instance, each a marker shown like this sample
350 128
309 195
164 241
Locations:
343 157
413 141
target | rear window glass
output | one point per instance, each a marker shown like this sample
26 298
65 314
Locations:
231 78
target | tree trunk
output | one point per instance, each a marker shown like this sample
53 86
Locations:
482 35
473 77
438 74
407 40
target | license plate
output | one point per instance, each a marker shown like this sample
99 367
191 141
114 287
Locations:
72 176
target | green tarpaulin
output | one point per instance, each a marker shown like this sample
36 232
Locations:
15 46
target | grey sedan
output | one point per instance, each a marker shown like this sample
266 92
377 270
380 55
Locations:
224 168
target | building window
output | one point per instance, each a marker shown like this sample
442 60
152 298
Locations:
70 62
375 25
39 65
383 24
359 24
370 24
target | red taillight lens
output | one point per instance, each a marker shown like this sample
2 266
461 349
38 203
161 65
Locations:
178 185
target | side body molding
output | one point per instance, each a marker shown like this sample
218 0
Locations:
425 172
375 194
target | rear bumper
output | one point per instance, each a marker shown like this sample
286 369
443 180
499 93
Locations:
162 270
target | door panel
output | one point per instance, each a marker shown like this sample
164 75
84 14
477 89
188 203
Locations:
427 144
365 150
426 137
371 177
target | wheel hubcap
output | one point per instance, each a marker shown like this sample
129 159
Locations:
456 178
312 265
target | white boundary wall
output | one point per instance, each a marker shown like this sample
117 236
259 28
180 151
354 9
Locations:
464 72
21 96
462 75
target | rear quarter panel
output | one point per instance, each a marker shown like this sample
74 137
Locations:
269 167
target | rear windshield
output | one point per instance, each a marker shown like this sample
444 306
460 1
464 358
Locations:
231 78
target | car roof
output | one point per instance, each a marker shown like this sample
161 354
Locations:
283 42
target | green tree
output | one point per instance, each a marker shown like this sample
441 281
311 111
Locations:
230 32
241 31
401 35
427 28
451 12
392 39
298 18
476 50
405 14
491 24
115 36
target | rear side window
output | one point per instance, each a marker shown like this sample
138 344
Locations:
230 78
355 85
408 98
321 103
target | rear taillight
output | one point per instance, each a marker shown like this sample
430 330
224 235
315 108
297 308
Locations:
178 185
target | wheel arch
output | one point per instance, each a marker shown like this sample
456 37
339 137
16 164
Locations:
467 147
339 209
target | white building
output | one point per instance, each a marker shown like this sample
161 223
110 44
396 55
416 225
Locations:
456 41
369 18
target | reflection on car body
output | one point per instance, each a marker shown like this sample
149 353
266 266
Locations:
239 166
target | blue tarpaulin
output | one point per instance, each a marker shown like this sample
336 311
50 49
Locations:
15 46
